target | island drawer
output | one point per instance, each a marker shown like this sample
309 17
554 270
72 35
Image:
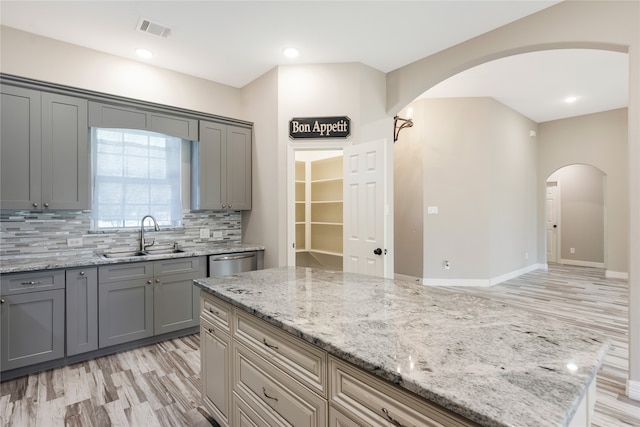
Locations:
301 360
215 311
18 283
374 402
273 394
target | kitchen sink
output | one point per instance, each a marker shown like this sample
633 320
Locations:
130 254
126 254
163 251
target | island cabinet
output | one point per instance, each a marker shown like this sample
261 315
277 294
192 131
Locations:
221 167
142 299
278 379
44 150
33 321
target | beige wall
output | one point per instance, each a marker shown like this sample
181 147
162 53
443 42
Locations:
582 207
29 55
599 140
473 159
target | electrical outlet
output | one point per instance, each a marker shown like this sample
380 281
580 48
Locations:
217 234
572 250
526 255
74 242
204 233
446 265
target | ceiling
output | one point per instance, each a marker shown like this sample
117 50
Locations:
235 42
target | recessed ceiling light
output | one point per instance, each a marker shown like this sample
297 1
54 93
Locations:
290 52
570 99
144 53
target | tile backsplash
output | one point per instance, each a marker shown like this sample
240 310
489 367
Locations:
41 233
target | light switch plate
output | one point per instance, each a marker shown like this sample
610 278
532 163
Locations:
432 210
204 233
217 234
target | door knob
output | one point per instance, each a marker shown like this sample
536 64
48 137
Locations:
555 226
377 251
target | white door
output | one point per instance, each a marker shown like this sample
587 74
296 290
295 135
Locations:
366 217
551 220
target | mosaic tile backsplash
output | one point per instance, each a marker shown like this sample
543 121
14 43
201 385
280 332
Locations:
30 233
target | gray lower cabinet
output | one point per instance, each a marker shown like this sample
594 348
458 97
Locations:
82 310
44 150
221 167
125 303
32 311
142 299
176 301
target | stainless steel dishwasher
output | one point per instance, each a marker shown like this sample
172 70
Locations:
225 264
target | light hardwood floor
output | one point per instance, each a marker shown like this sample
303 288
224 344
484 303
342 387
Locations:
159 385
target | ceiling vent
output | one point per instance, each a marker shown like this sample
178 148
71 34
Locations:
149 27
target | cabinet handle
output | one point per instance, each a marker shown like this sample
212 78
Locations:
157 280
82 273
39 282
148 282
210 330
46 205
267 396
264 340
391 420
2 301
213 311
35 205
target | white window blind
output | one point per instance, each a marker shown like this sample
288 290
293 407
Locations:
135 173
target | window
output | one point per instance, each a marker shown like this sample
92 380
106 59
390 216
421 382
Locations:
135 173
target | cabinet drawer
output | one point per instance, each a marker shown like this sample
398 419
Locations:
181 266
215 311
129 271
267 389
374 402
34 281
296 357
245 416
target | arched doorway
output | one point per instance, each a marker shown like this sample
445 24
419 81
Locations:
575 216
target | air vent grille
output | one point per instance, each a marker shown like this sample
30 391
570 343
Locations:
150 27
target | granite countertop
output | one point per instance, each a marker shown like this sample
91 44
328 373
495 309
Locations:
491 363
80 259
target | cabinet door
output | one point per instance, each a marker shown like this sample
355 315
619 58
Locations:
125 311
215 353
65 152
238 168
32 328
20 148
82 310
210 166
175 303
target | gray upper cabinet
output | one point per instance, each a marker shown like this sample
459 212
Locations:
20 148
44 150
115 116
222 167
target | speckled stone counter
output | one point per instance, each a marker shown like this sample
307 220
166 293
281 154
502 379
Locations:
81 259
491 363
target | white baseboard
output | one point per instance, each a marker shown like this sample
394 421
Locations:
616 275
579 263
482 282
633 389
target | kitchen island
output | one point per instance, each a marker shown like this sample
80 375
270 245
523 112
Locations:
459 359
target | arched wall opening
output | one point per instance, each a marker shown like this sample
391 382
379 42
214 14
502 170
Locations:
575 216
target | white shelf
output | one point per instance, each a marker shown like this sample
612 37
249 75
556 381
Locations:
325 252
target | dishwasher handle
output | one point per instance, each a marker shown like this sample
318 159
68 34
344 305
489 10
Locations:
233 257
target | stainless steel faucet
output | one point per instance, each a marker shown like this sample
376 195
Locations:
155 224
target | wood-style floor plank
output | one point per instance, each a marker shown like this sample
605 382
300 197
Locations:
159 385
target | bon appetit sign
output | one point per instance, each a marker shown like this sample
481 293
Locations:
319 127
